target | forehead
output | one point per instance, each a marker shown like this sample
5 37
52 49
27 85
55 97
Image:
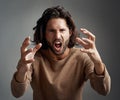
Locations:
57 22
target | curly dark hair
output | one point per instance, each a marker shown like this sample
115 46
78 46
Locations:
49 13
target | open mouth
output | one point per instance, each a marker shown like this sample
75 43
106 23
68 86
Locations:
57 45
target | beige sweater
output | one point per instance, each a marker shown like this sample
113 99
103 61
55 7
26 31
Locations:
63 79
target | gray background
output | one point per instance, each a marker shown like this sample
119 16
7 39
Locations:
18 17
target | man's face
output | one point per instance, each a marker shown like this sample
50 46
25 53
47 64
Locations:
57 35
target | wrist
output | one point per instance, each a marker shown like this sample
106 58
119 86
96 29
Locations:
20 76
99 68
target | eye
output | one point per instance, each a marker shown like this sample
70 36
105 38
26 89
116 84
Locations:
50 30
62 30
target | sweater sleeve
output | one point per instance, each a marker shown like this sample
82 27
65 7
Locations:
19 88
100 83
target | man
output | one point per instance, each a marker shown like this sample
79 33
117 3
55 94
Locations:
55 68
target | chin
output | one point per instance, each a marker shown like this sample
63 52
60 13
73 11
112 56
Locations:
61 52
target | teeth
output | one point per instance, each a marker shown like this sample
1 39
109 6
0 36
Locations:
57 42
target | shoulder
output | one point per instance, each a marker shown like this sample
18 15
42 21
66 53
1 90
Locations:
76 53
38 59
38 55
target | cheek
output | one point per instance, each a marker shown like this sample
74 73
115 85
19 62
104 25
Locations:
66 37
48 37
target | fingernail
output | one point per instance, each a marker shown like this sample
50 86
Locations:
40 44
83 38
81 28
81 49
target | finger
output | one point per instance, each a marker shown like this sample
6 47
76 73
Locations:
88 33
88 51
37 47
81 42
28 61
88 41
28 58
25 44
23 55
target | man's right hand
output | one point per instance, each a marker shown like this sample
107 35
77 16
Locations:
27 58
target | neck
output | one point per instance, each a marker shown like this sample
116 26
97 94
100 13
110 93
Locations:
59 57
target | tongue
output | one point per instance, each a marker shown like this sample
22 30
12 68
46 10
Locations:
57 45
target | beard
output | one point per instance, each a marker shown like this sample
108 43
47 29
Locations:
58 50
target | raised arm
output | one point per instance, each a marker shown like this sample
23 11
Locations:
22 76
99 77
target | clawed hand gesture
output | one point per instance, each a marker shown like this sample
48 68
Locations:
27 55
88 45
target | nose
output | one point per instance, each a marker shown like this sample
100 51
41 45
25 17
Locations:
57 35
